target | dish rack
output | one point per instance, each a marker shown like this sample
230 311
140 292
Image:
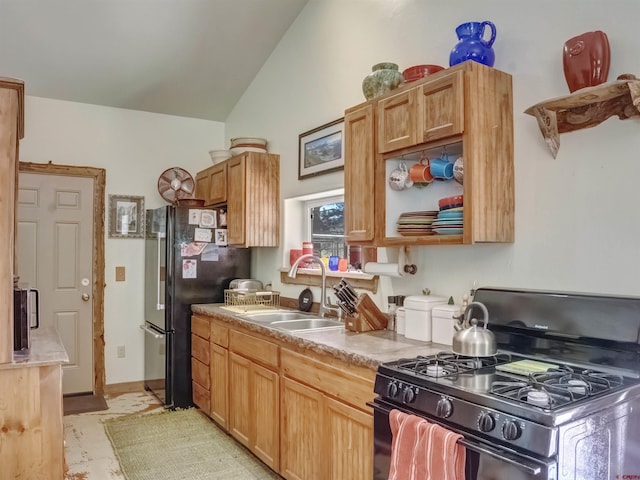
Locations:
241 301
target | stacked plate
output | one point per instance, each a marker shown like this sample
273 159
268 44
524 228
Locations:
417 223
449 222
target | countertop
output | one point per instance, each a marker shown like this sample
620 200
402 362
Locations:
366 349
46 349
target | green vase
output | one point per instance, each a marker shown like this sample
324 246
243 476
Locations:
383 78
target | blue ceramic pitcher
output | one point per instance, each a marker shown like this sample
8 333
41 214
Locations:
472 45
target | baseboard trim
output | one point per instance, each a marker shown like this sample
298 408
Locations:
127 387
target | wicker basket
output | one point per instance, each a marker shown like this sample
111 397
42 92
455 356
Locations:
250 300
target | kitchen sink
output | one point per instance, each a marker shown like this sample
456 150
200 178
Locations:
283 315
306 324
292 321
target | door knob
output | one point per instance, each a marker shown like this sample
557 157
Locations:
85 297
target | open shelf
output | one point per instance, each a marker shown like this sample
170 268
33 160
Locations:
585 108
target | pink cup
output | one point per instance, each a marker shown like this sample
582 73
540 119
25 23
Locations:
294 254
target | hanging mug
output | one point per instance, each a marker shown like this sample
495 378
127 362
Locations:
441 169
421 172
399 178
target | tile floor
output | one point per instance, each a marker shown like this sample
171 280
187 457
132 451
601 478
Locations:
88 452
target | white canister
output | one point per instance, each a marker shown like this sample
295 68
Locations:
442 323
400 320
418 315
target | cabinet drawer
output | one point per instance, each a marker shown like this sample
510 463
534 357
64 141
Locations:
200 349
200 373
348 387
219 335
200 327
256 349
200 397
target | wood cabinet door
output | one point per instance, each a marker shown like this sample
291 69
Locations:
218 370
302 455
202 186
239 398
217 184
397 122
441 108
236 201
359 177
348 441
265 401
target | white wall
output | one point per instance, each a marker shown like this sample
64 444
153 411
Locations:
577 225
134 148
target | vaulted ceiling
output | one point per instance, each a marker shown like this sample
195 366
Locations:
191 58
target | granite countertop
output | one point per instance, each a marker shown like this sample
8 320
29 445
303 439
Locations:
367 349
46 349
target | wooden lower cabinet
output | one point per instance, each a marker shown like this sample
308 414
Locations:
349 441
32 435
312 423
219 375
301 457
254 396
319 414
305 416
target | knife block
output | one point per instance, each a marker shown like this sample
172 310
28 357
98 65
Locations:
368 316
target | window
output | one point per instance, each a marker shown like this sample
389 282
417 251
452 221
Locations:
325 226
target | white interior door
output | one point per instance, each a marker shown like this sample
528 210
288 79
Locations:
54 254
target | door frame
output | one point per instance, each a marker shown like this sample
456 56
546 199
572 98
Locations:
99 182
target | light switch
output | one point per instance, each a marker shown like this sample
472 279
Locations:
120 274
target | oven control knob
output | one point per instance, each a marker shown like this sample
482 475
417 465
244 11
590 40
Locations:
486 423
444 408
511 430
409 395
392 389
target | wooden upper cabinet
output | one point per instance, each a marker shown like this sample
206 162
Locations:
249 185
466 112
424 113
211 184
397 121
441 108
359 175
11 130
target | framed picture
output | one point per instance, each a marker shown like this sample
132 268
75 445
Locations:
126 216
321 150
221 236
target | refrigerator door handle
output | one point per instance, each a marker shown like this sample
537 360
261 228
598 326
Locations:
159 305
151 332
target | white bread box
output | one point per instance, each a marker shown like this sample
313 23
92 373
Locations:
442 323
417 323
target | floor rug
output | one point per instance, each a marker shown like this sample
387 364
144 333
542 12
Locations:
180 444
83 404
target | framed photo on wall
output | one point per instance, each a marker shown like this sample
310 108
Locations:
126 216
321 150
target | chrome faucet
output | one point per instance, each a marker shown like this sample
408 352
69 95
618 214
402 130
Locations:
324 307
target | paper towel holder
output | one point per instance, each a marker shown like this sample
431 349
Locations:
407 267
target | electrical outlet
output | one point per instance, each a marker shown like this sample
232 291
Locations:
121 351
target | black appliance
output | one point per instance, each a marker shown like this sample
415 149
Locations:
179 272
575 418
26 316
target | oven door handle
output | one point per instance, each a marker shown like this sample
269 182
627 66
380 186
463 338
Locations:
532 469
518 461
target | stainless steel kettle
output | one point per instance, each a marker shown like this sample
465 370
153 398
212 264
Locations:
471 340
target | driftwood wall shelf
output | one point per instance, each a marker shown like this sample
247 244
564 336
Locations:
586 107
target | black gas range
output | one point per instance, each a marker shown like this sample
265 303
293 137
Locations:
563 388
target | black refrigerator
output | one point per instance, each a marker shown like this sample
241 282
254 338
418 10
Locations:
183 266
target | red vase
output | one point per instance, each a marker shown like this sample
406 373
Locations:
586 59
